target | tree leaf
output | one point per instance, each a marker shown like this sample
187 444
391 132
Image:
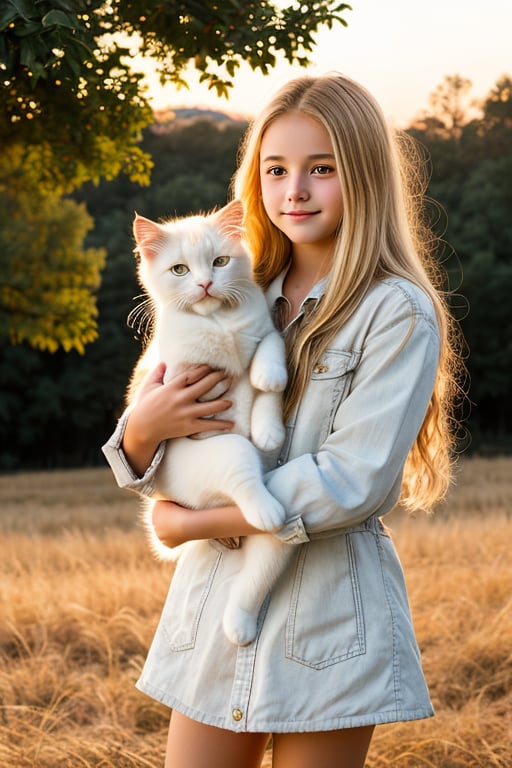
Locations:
56 18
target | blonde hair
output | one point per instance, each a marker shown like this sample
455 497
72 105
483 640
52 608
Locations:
382 234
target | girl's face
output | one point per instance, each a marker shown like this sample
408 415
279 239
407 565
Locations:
299 180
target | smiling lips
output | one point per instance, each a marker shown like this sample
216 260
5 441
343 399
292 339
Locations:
299 215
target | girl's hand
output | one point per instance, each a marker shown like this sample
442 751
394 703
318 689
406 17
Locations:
165 411
174 525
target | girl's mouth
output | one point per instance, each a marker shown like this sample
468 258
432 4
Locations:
298 215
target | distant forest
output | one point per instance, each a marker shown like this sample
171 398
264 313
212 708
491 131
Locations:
56 409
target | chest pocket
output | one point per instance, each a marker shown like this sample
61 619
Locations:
334 364
329 385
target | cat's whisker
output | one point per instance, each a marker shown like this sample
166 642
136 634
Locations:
182 303
235 294
141 317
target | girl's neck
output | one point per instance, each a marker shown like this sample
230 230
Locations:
311 261
307 268
308 265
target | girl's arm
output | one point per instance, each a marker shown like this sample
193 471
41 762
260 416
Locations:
356 472
174 525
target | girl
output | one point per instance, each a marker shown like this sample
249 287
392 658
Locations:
337 244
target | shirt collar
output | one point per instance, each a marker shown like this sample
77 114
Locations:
275 293
275 289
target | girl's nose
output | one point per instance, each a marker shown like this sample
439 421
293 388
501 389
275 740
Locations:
297 190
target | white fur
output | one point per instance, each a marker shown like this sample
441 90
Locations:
230 329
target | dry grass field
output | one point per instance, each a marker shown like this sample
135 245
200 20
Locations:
80 597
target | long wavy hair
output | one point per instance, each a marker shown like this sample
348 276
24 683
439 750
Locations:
383 233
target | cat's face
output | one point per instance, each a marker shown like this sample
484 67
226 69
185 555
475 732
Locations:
197 263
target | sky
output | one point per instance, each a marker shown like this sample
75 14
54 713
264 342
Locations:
399 49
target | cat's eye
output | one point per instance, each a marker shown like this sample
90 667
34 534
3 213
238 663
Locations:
179 269
221 261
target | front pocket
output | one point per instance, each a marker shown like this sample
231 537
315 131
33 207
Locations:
325 621
191 584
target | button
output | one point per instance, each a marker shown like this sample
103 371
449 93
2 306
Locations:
237 714
320 368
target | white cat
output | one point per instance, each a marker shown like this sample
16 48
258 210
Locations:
209 310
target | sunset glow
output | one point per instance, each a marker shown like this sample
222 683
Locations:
400 49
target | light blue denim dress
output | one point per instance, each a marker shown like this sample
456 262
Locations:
335 645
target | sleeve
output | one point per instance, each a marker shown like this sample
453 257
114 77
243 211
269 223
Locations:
123 473
357 471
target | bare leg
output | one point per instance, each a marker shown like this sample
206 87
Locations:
194 745
329 749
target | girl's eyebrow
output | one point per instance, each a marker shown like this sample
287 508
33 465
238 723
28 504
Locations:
280 158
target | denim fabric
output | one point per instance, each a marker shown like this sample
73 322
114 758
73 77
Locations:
335 645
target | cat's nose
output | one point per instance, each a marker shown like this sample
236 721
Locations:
205 285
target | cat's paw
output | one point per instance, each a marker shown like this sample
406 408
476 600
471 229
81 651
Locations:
269 436
265 513
240 627
271 378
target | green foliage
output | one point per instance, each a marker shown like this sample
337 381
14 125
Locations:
481 227
67 84
70 102
73 112
47 280
220 35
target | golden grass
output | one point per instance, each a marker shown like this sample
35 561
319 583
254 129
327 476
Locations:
80 597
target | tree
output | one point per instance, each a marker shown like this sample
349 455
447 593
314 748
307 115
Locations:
73 111
450 104
67 83
497 119
472 181
448 130
47 279
67 98
498 105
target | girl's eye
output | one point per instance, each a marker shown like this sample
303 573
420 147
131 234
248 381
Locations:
179 269
323 170
276 171
221 261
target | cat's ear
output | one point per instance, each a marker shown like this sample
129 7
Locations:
148 235
230 219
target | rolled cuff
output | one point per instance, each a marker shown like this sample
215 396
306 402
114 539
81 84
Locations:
293 532
124 475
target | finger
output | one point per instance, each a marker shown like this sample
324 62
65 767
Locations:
208 382
209 425
152 379
156 375
194 374
210 408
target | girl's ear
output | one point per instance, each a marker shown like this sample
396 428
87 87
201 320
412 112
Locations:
148 235
230 219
